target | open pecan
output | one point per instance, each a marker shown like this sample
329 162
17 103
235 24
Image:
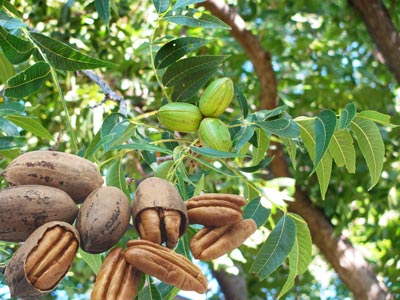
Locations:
116 280
166 265
212 242
158 211
215 209
42 261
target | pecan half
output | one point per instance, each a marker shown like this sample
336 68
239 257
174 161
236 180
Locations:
159 212
212 242
43 259
116 280
166 265
215 209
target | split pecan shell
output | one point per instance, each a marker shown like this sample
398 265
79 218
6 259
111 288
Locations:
116 280
166 265
159 213
215 209
212 242
42 261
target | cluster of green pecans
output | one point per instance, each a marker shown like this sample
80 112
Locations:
185 117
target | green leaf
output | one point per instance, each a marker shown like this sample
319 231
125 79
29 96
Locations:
103 9
265 114
149 292
27 82
30 124
94 261
324 169
214 153
291 148
259 152
8 127
261 165
280 127
195 18
303 243
371 146
161 5
290 278
375 116
115 177
188 75
347 115
176 49
1 3
242 136
11 108
324 127
184 3
64 57
167 291
144 147
11 142
256 211
242 101
187 67
6 68
10 153
342 150
10 23
276 248
15 49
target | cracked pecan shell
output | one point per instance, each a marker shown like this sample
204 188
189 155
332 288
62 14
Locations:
116 280
166 265
158 211
212 242
215 209
42 261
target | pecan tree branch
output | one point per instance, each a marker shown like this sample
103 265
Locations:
382 31
351 266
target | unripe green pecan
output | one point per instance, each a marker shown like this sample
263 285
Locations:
214 134
178 116
216 97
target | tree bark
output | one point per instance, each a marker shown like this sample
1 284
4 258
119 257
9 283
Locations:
232 286
351 266
382 31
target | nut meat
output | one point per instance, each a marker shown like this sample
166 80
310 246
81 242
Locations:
212 242
166 265
43 260
215 209
158 211
116 280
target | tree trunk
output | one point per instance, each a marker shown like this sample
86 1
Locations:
382 31
352 268
232 286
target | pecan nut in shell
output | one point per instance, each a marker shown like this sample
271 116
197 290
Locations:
116 280
166 265
159 213
215 209
42 261
212 242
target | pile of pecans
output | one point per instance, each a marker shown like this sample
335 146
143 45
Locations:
160 217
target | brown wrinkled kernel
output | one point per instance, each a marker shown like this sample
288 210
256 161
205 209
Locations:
235 199
172 223
166 265
149 226
50 260
214 216
116 280
210 243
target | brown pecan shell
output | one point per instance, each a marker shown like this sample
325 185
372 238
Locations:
159 213
116 280
212 242
42 261
215 209
166 265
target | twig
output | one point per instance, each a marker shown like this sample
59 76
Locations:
109 93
